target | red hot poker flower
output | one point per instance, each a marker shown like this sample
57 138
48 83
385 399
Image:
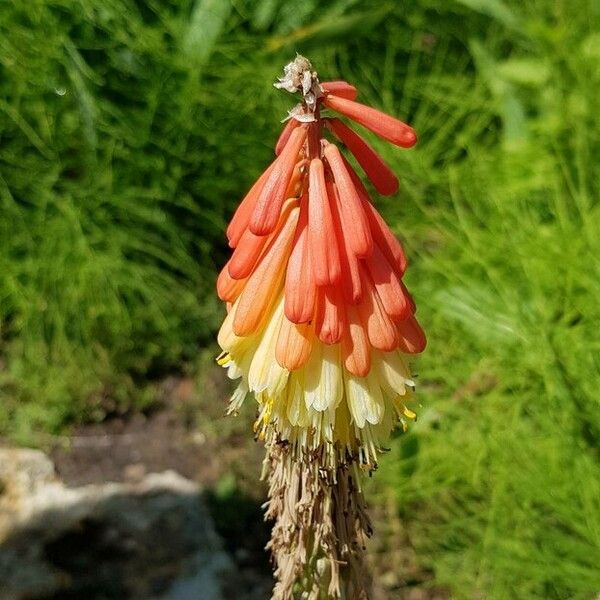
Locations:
319 327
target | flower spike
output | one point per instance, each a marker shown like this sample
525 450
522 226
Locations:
319 328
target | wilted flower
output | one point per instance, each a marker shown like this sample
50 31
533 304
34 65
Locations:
319 326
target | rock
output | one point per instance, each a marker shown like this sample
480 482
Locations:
146 539
22 473
134 472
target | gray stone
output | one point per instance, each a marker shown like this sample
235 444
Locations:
149 539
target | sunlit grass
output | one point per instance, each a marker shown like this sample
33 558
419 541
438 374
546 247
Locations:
498 482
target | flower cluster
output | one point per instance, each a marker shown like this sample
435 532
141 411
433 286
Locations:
319 322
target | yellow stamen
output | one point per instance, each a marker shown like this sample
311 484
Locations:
409 413
223 359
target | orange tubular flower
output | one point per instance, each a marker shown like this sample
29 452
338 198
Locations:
319 329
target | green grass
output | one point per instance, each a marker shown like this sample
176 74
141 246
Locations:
498 483
129 130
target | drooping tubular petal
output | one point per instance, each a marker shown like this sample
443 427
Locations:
270 199
323 382
250 246
265 373
411 302
384 180
380 328
226 338
383 125
350 281
411 337
354 219
294 344
394 373
329 315
385 239
300 287
241 218
358 184
365 399
296 407
388 286
340 88
355 344
228 288
321 234
246 254
264 283
381 233
284 136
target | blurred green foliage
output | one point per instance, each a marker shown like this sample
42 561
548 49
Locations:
130 129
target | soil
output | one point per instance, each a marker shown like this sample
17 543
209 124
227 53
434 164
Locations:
180 432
